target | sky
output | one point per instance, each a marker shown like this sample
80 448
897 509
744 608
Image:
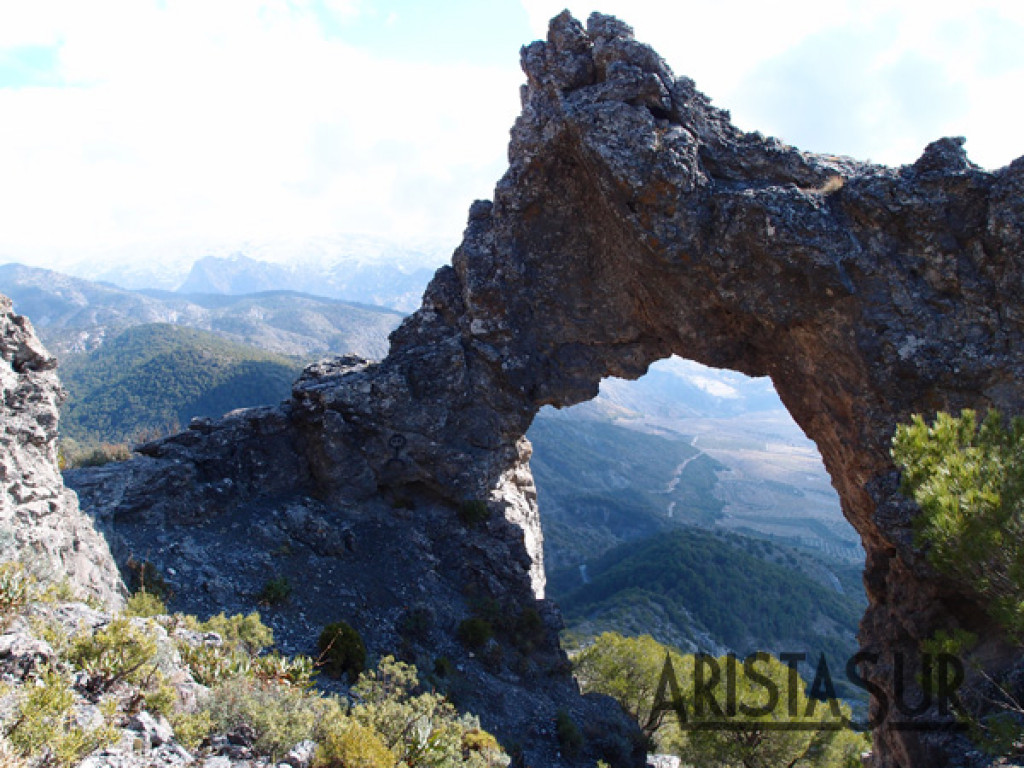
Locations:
129 123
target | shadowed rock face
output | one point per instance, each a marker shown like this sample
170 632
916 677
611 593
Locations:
636 222
40 522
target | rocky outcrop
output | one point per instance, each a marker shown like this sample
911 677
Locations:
40 522
635 222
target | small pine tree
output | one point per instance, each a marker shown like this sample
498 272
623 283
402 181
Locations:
968 481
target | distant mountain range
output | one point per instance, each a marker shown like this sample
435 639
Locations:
74 316
395 285
351 267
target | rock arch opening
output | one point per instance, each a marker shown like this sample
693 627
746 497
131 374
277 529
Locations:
692 446
665 498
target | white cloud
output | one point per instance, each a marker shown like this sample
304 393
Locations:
237 119
248 119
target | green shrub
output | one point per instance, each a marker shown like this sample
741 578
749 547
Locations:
143 576
569 737
416 623
475 632
191 728
120 651
61 591
341 650
529 631
474 512
297 671
210 664
45 729
15 590
276 591
104 453
443 666
247 634
479 740
144 605
280 715
160 698
347 744
968 481
420 729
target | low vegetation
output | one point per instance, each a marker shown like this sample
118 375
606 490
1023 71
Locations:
120 668
341 650
631 670
968 481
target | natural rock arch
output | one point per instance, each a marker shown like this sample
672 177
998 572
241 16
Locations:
636 222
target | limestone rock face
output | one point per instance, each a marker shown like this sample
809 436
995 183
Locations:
40 522
635 222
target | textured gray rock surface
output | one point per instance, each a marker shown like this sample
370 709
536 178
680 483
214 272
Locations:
636 222
40 521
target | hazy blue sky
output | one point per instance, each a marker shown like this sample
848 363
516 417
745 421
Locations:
137 121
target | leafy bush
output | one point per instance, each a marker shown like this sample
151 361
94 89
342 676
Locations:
160 698
479 740
15 590
276 591
61 591
347 744
420 729
280 715
191 728
341 650
297 671
211 664
45 726
443 666
528 632
121 651
144 576
242 637
269 696
474 512
245 633
569 737
630 670
104 453
416 623
144 605
968 481
475 632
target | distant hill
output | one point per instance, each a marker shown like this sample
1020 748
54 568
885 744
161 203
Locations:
155 377
390 272
700 590
752 469
600 484
72 315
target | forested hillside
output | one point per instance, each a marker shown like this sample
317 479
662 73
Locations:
155 378
701 590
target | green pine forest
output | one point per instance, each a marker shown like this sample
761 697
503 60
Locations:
152 379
